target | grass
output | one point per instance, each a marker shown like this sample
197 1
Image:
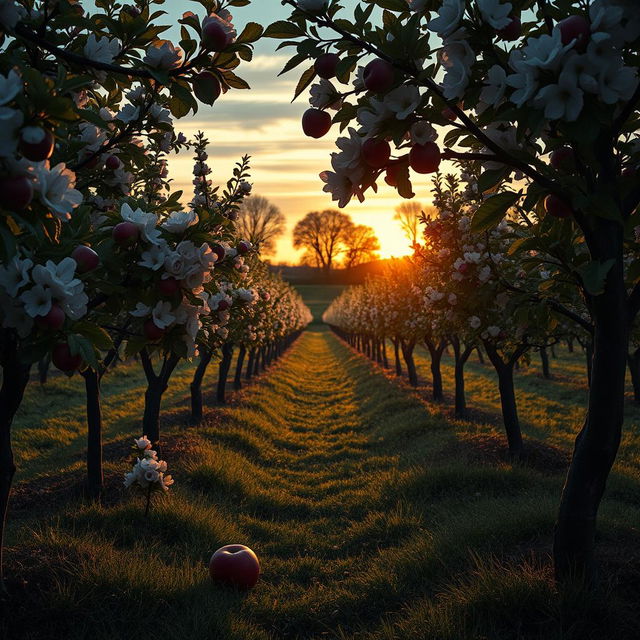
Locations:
375 516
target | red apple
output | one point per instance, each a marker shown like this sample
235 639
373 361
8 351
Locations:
37 151
243 247
168 286
425 158
214 36
125 233
16 193
557 207
236 565
378 76
86 258
512 31
63 359
223 305
575 28
207 88
315 123
376 153
326 65
112 163
220 252
152 331
53 320
562 158
463 268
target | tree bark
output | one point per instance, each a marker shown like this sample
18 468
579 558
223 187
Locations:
588 354
237 381
480 356
436 351
15 376
223 374
385 359
504 369
544 358
157 384
95 475
407 353
461 356
396 353
250 364
196 387
597 443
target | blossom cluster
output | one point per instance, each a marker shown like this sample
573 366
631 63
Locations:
148 472
45 294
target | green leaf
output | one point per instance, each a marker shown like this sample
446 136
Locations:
404 187
250 33
234 81
97 335
283 29
489 179
492 210
299 58
305 80
594 274
134 346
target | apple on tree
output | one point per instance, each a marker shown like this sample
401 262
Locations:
125 233
36 144
86 258
236 565
168 286
214 36
52 321
152 331
63 359
379 76
425 158
315 123
557 207
16 193
326 65
376 153
512 31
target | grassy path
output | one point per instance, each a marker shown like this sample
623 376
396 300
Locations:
374 517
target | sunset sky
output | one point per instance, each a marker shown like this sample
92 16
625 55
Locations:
264 124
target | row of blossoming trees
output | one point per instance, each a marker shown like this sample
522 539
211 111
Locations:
541 97
99 260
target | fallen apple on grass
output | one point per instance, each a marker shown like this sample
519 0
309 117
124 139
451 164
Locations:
235 565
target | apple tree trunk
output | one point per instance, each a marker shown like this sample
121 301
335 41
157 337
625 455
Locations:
237 380
396 353
597 443
157 384
223 372
504 369
407 353
15 376
95 474
436 349
196 386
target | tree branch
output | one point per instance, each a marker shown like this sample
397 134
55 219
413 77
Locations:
25 33
472 127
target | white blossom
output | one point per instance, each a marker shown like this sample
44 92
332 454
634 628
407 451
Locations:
101 49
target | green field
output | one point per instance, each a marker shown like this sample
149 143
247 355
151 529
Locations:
375 515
